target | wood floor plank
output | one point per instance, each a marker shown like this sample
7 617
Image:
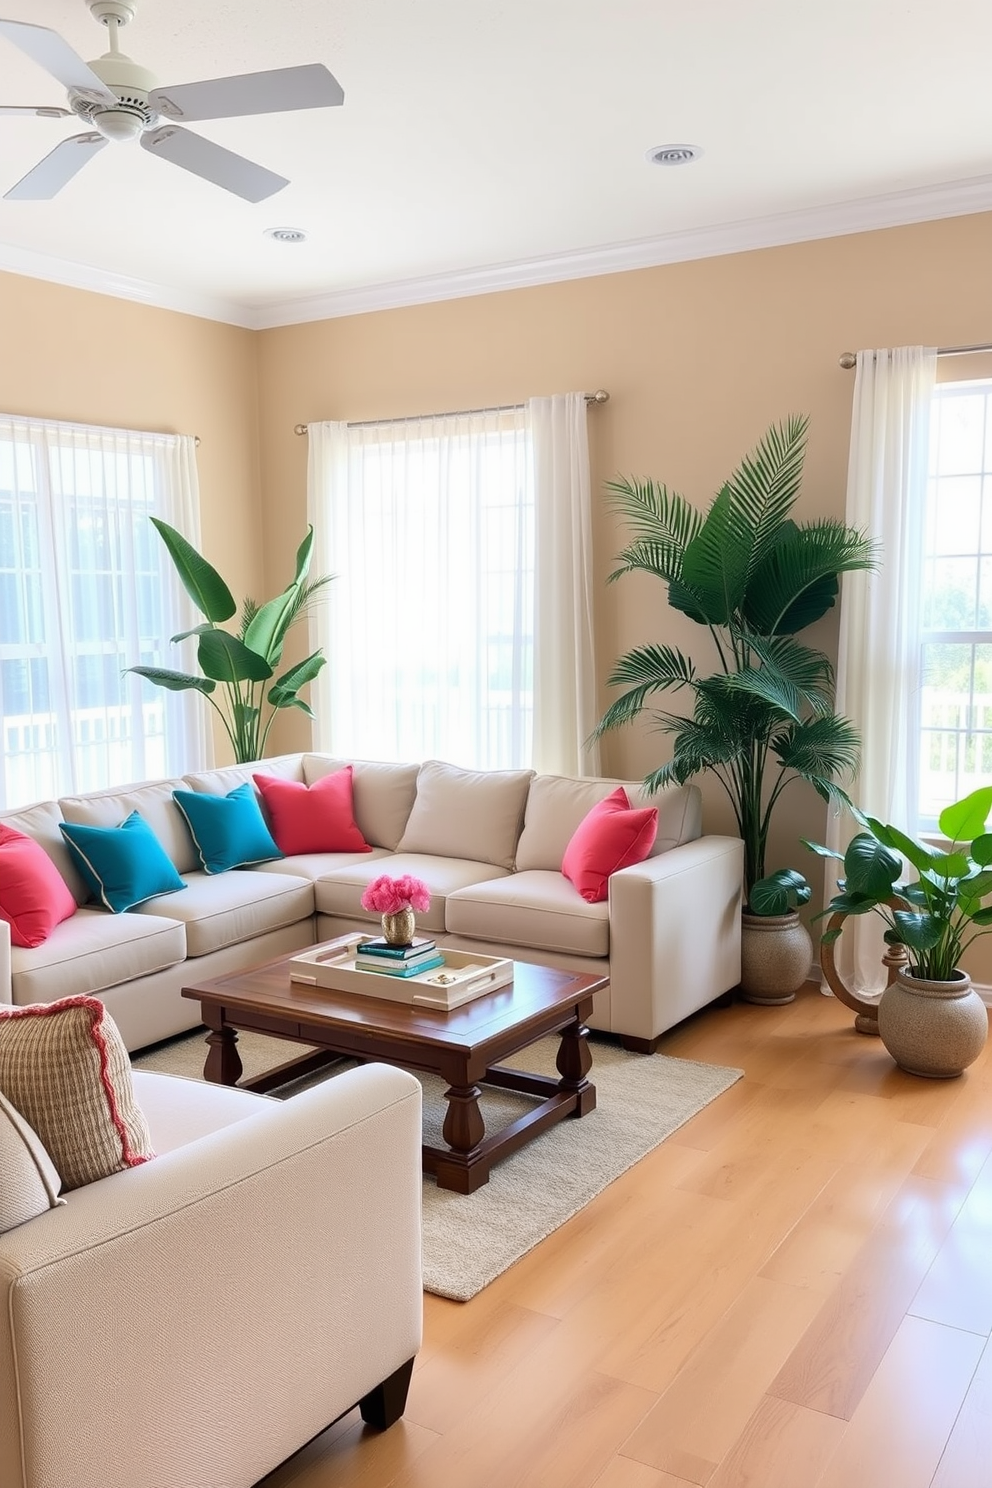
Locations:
833 1365
455 1379
622 1472
957 1289
733 1365
781 1446
967 1458
890 1444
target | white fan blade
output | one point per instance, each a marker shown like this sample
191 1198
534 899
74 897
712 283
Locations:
275 92
51 174
43 112
201 156
55 55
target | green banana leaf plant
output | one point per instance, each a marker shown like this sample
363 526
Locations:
242 665
753 578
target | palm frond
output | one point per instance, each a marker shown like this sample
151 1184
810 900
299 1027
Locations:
661 558
655 514
792 676
798 580
249 609
656 667
765 485
819 749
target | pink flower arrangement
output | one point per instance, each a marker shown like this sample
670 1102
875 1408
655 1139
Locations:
385 895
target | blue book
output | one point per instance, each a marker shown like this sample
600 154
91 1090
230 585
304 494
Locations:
398 969
418 946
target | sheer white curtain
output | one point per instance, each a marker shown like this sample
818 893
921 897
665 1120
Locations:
87 590
458 625
879 653
565 711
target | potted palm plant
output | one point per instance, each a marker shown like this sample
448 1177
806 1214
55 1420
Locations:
753 578
930 1018
242 664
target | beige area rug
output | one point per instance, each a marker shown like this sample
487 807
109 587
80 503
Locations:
469 1239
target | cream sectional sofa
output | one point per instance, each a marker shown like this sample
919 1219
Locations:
488 843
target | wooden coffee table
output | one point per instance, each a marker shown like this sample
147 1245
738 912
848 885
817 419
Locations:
465 1047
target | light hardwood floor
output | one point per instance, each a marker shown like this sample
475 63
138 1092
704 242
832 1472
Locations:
793 1291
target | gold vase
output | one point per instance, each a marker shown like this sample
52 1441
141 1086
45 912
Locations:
398 928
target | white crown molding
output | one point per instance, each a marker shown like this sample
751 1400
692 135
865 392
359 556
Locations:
894 209
121 286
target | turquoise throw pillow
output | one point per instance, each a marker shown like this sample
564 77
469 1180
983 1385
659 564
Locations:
121 866
228 831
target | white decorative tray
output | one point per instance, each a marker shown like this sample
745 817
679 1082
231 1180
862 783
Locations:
463 977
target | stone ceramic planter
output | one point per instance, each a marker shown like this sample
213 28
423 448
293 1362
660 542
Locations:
776 956
932 1028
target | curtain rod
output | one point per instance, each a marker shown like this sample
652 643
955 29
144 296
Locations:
599 396
848 359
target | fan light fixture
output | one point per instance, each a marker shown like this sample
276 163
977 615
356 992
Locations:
673 154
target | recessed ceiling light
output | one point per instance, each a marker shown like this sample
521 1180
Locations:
286 234
673 154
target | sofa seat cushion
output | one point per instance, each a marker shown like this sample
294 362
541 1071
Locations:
539 909
315 865
339 892
224 909
180 1111
92 951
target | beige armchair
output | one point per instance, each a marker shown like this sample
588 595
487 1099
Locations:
191 1322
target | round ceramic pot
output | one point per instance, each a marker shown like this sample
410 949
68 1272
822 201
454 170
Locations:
932 1028
776 956
398 928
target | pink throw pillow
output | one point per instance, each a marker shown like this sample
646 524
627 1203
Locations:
312 818
611 836
34 897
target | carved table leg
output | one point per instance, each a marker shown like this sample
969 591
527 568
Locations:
573 1063
463 1127
223 1064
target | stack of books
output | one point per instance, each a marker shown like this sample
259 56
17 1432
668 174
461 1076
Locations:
393 960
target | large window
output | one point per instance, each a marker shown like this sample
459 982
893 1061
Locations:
431 616
955 748
86 590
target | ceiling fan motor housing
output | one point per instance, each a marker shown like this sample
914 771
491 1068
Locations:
131 85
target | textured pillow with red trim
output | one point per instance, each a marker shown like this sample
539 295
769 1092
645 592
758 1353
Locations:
65 1067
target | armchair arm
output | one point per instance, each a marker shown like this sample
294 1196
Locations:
675 934
197 1319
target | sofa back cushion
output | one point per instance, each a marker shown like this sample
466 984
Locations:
29 1182
382 795
473 814
557 804
222 781
41 822
154 804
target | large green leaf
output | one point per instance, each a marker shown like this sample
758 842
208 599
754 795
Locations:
779 892
282 693
796 583
303 556
226 659
870 868
173 681
981 850
921 857
715 566
766 484
200 579
920 932
266 632
966 819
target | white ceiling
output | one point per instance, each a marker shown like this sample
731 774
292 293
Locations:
494 142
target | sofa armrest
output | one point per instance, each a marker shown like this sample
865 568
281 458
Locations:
675 934
198 1318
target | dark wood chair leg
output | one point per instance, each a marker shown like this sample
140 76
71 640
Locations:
639 1045
383 1406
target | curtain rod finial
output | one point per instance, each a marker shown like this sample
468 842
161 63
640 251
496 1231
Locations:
848 359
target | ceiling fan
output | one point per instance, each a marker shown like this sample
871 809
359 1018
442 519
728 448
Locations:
121 100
